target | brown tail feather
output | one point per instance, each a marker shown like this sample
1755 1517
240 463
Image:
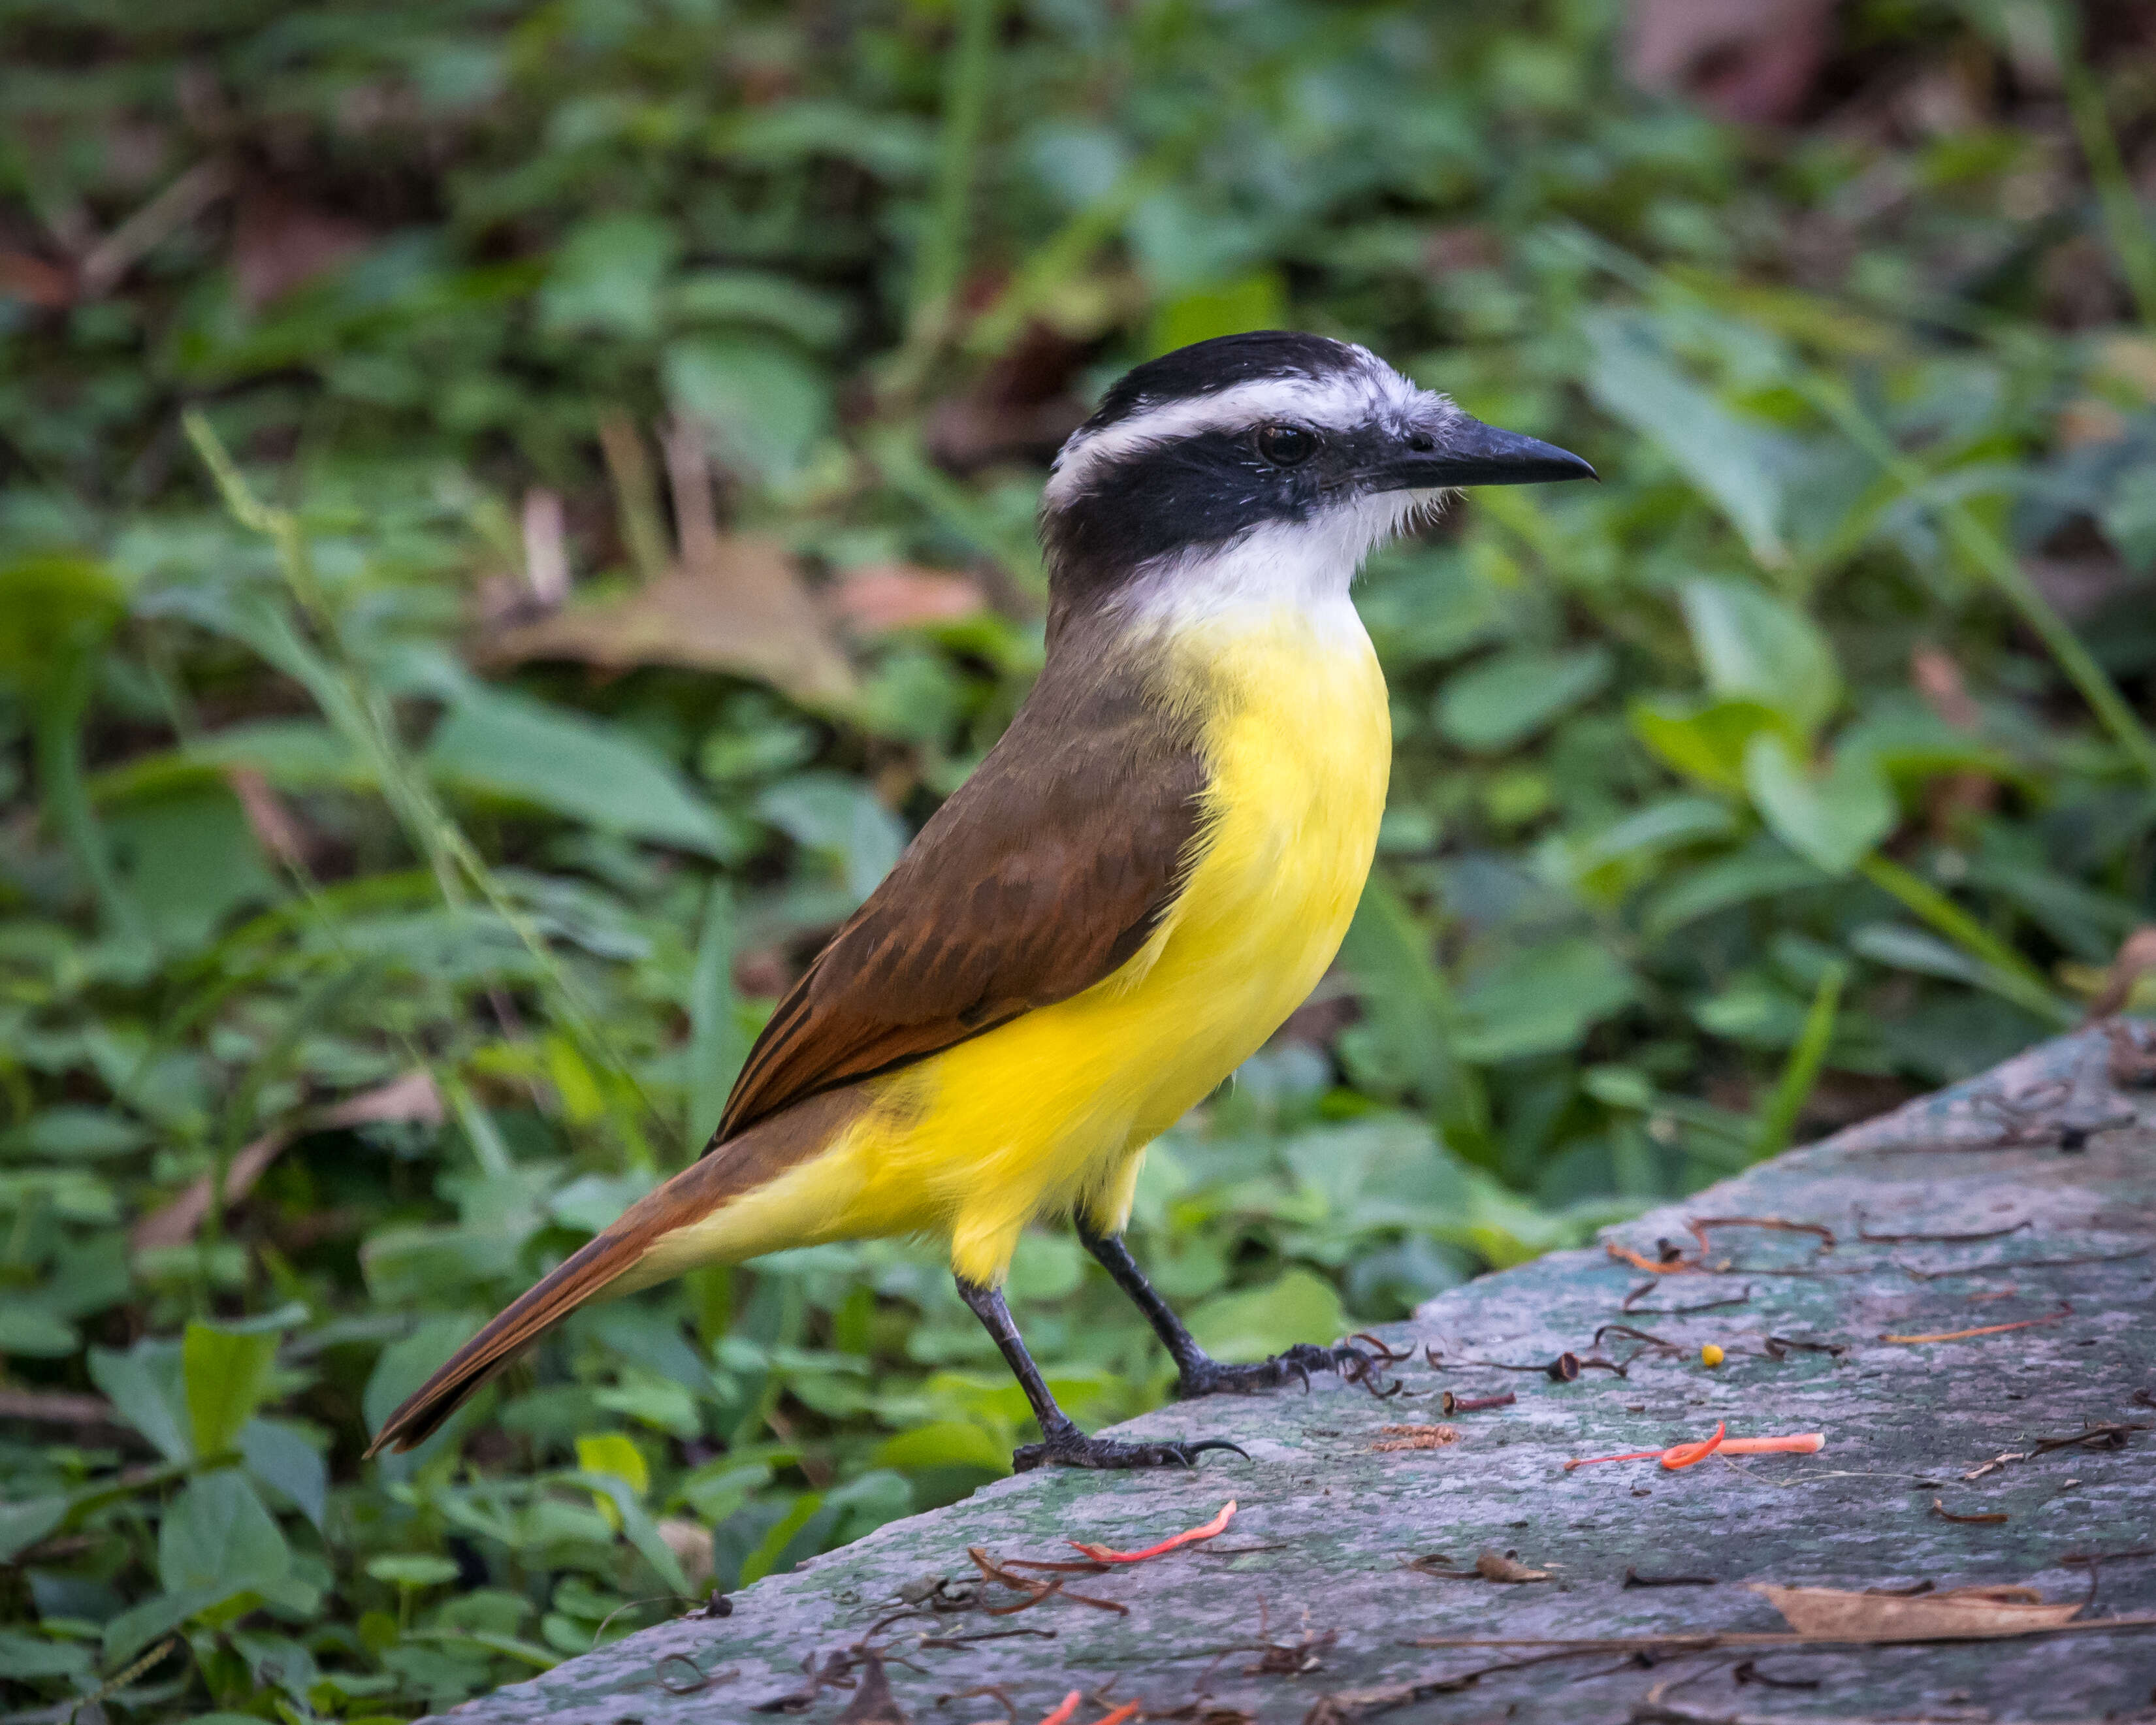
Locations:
738 1165
588 1271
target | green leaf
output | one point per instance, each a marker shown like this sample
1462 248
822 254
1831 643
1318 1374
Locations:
412 1569
24 1658
278 1454
1659 826
497 743
761 1562
946 1443
1833 821
1763 870
404 1366
611 1452
72 1133
1705 740
621 1497
838 818
135 1629
226 1372
609 276
1732 462
1256 301
216 1536
1899 948
663 1404
55 607
23 1524
189 860
1755 646
1505 701
1411 1016
37 1335
147 1390
1251 1323
763 405
1542 1000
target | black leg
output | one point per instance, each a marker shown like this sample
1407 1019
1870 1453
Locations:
1197 1372
1061 1440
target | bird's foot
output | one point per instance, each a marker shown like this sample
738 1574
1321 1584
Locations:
1355 1364
1067 1446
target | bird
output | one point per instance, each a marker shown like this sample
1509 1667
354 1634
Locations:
1145 876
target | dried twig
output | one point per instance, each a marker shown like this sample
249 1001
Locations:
1916 1274
2065 1311
1648 1287
1865 1234
1699 1225
1989 1517
1448 1403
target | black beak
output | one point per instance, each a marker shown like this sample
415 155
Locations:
1462 451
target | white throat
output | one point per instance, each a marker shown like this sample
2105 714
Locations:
1301 567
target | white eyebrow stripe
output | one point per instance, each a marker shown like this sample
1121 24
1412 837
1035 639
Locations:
1340 401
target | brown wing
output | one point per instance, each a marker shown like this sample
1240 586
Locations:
1050 867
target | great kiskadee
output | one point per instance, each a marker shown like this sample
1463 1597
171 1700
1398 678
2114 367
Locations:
1141 881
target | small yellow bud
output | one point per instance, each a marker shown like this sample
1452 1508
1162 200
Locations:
1711 1355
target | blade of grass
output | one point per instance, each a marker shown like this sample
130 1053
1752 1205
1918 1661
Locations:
1060 257
1973 540
1777 1120
898 457
2124 220
635 495
1982 547
716 1047
943 259
56 722
360 711
2010 974
485 1137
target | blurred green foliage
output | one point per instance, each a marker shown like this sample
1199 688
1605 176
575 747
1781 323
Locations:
1794 767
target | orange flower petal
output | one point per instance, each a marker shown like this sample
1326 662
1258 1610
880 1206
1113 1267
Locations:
1064 1709
1801 1442
1189 1536
1684 1455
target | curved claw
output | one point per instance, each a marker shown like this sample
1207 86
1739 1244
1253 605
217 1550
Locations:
1192 1450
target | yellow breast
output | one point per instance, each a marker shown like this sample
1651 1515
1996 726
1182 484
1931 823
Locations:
1051 1111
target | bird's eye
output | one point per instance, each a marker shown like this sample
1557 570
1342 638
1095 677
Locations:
1287 446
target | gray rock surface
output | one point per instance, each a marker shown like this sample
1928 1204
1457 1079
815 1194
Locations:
1307 1608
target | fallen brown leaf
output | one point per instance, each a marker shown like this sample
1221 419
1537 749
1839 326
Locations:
892 596
1966 1613
744 612
1416 1437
